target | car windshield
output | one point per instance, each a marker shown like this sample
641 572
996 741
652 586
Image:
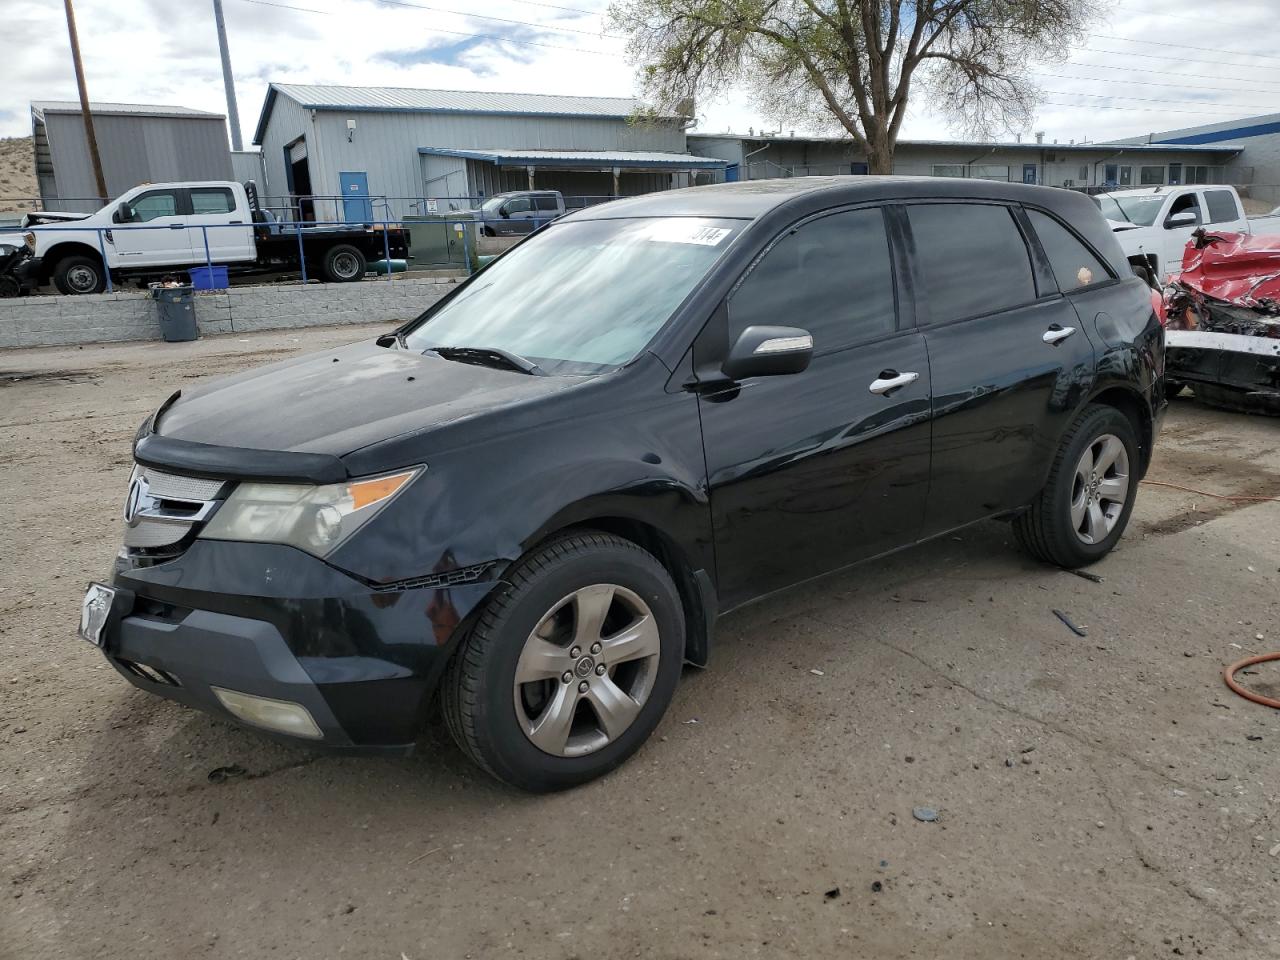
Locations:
581 296
1139 209
493 203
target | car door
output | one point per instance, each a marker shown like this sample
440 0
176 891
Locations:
1222 211
517 215
809 472
1008 355
1175 234
215 215
152 229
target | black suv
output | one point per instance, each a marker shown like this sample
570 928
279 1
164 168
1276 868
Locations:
528 506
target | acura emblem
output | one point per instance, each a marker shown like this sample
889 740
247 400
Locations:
137 499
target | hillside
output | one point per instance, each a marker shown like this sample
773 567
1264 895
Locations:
17 174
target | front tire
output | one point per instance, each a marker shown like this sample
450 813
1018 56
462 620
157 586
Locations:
79 274
1085 505
344 264
570 665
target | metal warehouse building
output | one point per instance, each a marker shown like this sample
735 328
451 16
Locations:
348 153
138 143
1079 165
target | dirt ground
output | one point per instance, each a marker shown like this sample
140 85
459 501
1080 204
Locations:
1098 797
17 174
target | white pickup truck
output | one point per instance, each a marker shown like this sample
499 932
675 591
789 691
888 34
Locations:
1154 224
156 229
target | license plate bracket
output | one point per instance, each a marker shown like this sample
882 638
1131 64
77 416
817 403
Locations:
95 613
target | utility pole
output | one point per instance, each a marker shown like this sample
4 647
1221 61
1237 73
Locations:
233 115
89 135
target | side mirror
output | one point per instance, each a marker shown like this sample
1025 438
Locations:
1183 218
121 215
506 214
768 352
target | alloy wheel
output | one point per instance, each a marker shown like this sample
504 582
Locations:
586 670
1100 489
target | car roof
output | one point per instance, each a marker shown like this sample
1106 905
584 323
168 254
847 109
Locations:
752 199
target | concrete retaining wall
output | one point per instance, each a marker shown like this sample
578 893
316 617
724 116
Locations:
131 314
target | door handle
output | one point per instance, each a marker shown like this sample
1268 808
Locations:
890 380
1057 333
177 226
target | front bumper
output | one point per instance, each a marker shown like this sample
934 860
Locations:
1241 362
272 621
27 274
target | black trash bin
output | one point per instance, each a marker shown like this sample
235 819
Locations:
177 311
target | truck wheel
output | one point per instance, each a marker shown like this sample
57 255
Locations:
344 264
570 665
79 274
1085 504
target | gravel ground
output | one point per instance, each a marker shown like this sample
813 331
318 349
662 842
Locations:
1098 797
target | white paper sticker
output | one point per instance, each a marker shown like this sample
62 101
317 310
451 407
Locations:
687 231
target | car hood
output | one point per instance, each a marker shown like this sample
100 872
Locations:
337 402
1118 226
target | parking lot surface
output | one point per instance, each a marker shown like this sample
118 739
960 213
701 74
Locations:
1098 796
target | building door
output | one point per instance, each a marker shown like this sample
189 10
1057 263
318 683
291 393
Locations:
1111 174
1126 176
858 169
731 173
356 206
1175 174
1028 173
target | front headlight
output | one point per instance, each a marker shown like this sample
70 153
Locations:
29 239
311 518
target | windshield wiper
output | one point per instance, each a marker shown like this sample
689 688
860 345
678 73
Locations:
490 357
1118 207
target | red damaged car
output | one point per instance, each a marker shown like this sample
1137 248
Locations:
1223 322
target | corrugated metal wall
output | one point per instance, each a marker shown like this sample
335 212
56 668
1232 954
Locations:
384 145
134 150
247 165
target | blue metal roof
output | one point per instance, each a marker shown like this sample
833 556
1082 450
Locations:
580 158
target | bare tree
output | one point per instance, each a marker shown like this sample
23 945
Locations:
855 62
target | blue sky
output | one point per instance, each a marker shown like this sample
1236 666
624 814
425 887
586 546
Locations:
1151 65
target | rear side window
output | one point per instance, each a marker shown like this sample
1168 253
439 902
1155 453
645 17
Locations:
546 203
831 276
211 200
971 258
1073 265
1222 206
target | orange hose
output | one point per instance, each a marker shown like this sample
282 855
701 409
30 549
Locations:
1206 493
1229 675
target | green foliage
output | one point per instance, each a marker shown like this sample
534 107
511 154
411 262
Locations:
852 64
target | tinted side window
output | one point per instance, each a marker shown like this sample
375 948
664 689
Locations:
547 203
972 259
211 200
148 206
1222 206
1073 265
831 276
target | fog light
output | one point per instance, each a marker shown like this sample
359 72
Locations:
280 715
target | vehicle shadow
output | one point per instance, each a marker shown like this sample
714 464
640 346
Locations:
287 847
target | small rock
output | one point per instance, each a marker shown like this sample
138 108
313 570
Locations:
1258 636
1008 761
1222 776
1253 736
909 759
1179 793
832 894
1100 825
817 673
223 774
19 729
924 814
1274 851
876 886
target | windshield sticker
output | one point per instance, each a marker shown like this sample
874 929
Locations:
683 231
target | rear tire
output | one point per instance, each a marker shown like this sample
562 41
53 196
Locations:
505 687
344 263
79 274
1085 505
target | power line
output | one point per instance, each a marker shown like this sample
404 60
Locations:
1145 83
1156 56
481 16
1099 106
496 38
1185 46
1162 73
1109 96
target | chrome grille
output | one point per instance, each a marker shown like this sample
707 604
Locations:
162 509
173 486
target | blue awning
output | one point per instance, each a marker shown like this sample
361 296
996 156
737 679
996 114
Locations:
579 159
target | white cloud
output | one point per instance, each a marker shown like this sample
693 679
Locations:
165 51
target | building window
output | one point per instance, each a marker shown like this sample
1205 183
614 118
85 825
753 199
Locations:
989 171
1126 176
1151 176
1084 172
948 170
